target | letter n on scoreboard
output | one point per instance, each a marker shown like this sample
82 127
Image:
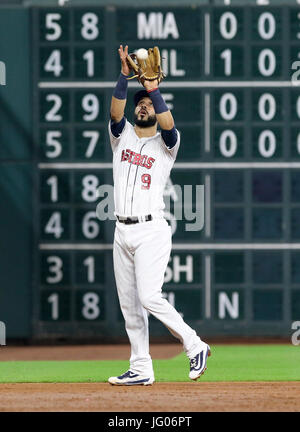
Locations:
229 304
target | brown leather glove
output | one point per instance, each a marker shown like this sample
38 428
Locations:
149 69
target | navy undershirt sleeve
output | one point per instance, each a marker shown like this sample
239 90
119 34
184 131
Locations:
169 137
117 128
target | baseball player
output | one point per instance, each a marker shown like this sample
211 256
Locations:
142 161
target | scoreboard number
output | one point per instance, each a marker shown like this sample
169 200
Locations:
267 107
94 138
89 306
52 141
56 109
266 110
226 55
53 183
87 147
89 29
53 64
266 26
53 26
53 300
90 309
90 185
228 106
52 115
54 225
89 262
88 56
266 62
55 267
90 226
90 104
228 25
267 143
228 143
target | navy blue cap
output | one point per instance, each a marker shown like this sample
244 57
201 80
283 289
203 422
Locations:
140 95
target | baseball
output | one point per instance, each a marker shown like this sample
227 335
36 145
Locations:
142 54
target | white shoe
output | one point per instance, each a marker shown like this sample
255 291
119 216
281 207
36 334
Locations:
198 363
131 378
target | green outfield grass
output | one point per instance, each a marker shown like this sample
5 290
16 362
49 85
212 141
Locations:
227 363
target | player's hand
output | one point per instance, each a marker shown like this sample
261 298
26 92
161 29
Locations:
123 53
150 85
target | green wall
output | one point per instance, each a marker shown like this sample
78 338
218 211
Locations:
15 174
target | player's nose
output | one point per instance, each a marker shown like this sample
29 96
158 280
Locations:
143 108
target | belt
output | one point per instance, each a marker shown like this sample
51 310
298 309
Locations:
134 219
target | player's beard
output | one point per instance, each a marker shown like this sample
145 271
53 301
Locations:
150 121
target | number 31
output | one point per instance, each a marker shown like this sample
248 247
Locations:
146 180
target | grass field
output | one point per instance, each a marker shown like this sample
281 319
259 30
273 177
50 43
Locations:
227 363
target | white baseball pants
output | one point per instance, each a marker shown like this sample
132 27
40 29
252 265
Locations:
141 254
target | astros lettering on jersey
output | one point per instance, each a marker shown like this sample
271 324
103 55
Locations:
141 167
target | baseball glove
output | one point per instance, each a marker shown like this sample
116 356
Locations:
146 70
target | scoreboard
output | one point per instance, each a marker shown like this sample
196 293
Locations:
232 84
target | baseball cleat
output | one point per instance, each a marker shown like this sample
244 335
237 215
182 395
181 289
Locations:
198 363
131 378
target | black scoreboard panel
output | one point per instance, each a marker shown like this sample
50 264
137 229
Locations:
233 199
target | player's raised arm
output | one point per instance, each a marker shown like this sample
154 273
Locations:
118 100
163 114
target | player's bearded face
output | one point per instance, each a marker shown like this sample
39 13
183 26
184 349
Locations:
144 115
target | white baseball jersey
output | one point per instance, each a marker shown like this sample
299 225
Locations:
141 168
